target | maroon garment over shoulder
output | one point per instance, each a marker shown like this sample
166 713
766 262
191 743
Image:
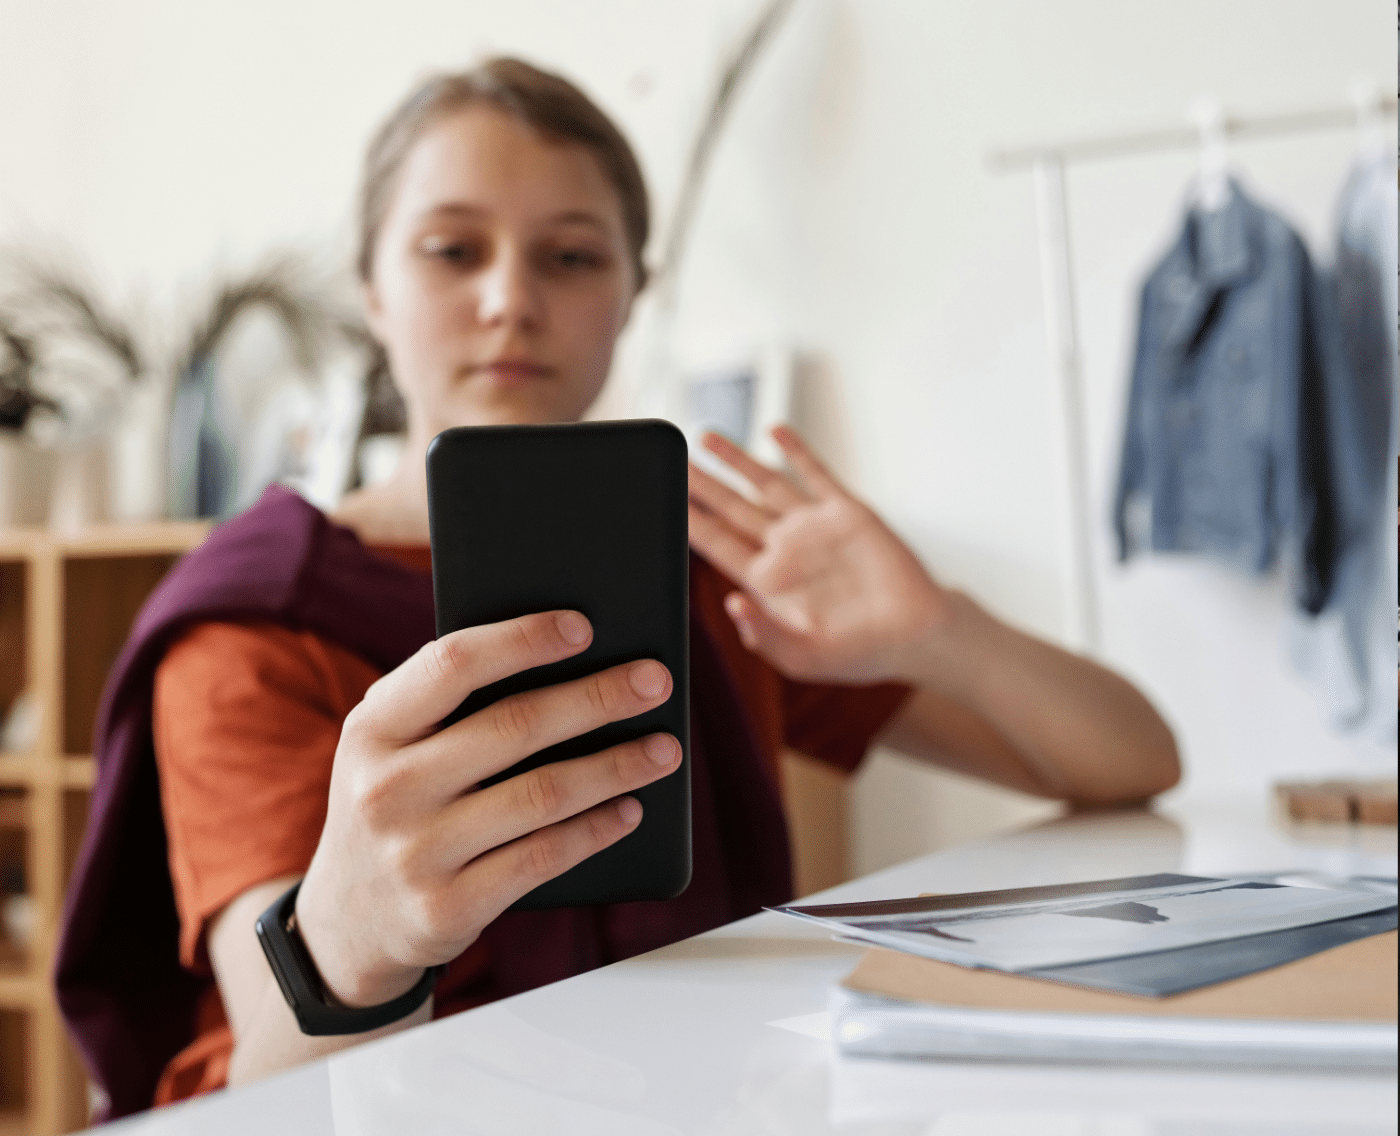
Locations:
127 1000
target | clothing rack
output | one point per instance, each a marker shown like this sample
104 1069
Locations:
1187 137
1047 164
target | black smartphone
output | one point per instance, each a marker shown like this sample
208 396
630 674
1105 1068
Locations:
589 516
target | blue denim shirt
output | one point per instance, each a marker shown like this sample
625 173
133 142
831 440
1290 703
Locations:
1361 356
1224 441
1350 654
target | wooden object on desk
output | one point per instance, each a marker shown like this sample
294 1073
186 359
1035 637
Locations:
1354 982
1340 802
66 605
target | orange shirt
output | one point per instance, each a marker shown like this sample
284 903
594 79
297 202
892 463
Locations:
247 717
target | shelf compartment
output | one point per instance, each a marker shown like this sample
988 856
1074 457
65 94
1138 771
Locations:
102 595
17 914
14 588
14 1062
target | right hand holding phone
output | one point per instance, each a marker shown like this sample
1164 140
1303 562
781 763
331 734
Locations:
414 859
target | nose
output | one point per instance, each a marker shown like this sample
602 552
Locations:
507 293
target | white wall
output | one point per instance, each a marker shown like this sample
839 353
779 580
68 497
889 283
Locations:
851 214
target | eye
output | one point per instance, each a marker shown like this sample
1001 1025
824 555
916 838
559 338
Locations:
574 258
459 252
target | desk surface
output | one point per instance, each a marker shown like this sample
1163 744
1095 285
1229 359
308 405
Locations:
721 1034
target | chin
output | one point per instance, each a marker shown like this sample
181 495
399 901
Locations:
515 408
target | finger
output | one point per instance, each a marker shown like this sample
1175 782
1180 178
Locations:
775 489
764 635
492 882
538 798
819 480
768 616
733 507
496 737
409 701
727 550
741 612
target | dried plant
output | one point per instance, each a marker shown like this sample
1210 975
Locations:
69 357
18 398
59 294
283 285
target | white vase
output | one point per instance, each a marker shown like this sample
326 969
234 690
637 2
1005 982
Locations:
137 453
26 482
81 487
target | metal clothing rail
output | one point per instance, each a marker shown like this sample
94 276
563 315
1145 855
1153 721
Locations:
1047 164
1186 137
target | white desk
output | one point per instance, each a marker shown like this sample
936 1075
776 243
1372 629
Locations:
683 1040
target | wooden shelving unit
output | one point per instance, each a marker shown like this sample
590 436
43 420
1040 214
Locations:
66 605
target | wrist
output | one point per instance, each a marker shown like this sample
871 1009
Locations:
350 975
317 1014
949 652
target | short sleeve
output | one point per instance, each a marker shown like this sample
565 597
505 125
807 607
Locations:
246 719
836 724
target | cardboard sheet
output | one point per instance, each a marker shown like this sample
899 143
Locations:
1351 983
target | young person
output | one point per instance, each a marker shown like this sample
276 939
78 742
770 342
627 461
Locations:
286 683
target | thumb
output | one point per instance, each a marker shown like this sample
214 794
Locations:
759 631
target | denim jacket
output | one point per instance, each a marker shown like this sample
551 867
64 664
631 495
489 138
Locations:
1349 653
1225 442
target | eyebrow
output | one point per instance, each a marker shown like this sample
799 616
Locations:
568 217
580 217
452 207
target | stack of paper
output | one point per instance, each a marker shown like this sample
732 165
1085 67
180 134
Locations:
1160 969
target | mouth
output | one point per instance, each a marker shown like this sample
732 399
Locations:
508 370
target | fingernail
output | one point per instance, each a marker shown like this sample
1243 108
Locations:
648 679
630 810
573 627
661 748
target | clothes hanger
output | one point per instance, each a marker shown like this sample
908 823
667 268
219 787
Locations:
1212 188
1367 100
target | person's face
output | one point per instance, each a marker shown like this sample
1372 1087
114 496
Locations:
501 275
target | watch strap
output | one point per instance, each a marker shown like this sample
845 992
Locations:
303 988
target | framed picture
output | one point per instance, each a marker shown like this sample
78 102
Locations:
743 400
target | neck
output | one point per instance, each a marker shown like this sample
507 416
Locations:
395 511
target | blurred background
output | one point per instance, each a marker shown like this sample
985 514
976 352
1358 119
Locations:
191 170
850 218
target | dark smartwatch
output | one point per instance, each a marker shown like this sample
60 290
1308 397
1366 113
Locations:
302 986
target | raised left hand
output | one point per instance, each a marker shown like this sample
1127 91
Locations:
828 592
